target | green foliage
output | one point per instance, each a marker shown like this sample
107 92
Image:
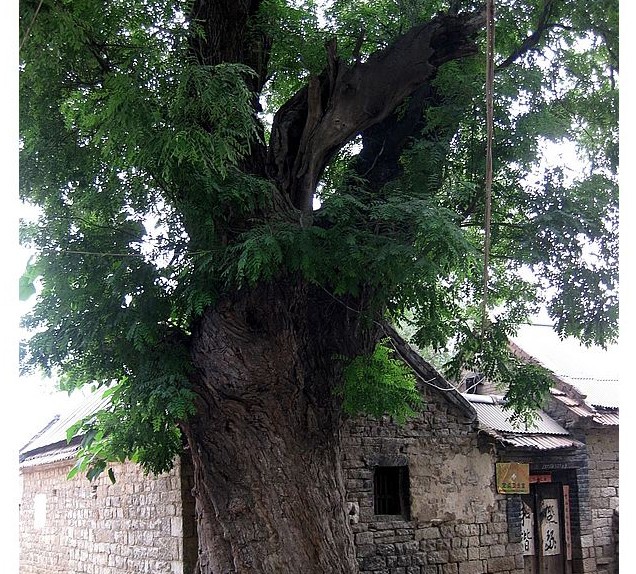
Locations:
528 386
137 424
379 385
525 385
297 47
147 169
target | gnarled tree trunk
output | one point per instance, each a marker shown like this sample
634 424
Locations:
264 443
265 448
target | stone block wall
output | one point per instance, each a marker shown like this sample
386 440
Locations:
457 523
75 527
602 445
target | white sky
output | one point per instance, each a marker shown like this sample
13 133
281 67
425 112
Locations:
568 357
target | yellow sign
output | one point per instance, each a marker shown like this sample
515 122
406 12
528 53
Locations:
513 478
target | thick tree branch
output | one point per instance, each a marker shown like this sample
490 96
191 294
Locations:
384 142
308 129
543 25
227 33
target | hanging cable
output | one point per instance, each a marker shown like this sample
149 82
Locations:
28 30
490 78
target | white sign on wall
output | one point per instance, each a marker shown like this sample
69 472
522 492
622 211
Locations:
550 527
527 530
39 510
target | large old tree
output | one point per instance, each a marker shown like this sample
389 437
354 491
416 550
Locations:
237 198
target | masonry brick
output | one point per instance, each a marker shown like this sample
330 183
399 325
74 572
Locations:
134 525
454 517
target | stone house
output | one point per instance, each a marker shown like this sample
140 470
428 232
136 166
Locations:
422 498
587 405
139 524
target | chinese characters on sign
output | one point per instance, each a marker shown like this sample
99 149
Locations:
527 530
513 478
550 528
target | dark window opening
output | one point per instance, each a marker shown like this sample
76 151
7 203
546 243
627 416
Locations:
473 382
391 490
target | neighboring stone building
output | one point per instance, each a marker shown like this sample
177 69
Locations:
585 399
554 514
139 524
593 419
422 497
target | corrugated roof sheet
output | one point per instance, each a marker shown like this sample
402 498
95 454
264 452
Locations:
492 413
541 442
49 456
55 431
578 407
607 418
598 392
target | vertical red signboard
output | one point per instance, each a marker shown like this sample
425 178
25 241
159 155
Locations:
566 518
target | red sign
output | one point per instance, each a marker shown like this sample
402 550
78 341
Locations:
534 478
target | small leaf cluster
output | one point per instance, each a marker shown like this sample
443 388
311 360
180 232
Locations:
525 385
378 385
138 424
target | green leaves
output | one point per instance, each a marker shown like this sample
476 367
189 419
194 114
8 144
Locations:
525 385
380 385
139 423
150 172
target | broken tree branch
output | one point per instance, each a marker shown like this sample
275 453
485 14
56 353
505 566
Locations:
531 42
356 97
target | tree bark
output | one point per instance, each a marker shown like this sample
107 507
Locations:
265 441
346 100
265 444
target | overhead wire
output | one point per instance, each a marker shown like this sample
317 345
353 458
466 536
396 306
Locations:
28 30
489 93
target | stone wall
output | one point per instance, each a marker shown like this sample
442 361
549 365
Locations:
457 524
602 445
75 527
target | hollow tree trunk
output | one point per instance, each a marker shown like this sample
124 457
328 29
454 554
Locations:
268 479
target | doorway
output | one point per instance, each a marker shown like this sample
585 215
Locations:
545 530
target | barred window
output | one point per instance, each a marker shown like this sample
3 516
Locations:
391 490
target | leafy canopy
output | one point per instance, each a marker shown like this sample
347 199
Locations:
139 153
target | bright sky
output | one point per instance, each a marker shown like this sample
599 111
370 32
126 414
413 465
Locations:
568 357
